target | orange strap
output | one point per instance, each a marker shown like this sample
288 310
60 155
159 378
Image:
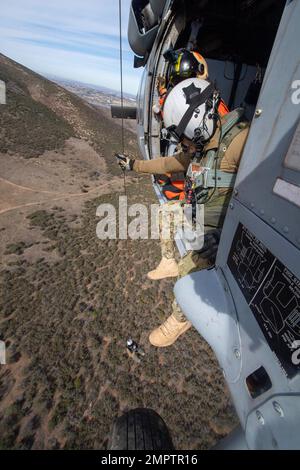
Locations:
174 190
178 184
223 110
177 196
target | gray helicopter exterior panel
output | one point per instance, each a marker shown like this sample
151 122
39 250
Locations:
140 42
281 251
213 301
248 307
234 441
158 6
271 133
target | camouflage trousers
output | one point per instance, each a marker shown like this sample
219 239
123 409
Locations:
169 214
215 211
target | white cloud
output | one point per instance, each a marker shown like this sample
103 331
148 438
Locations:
85 68
69 38
97 16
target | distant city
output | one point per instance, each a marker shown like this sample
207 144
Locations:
96 95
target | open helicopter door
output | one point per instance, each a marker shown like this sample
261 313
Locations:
248 306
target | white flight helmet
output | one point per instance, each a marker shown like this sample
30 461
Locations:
190 110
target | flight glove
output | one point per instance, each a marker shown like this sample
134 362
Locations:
125 163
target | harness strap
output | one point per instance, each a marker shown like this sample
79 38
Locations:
171 187
231 119
195 98
224 179
210 158
228 121
229 137
230 129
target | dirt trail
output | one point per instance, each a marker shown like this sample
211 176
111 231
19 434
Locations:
114 184
77 171
19 186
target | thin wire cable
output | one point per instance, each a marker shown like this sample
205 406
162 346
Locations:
121 69
121 82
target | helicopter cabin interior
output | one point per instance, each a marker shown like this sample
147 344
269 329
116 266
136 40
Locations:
235 37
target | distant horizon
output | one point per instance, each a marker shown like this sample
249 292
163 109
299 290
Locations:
59 80
71 40
89 85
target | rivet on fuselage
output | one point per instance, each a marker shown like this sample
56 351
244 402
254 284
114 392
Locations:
260 417
237 353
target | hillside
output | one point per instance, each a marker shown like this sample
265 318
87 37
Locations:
40 115
69 301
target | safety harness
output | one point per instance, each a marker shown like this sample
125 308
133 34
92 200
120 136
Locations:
202 177
172 189
202 181
213 176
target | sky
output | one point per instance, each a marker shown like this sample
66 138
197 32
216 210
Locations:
71 39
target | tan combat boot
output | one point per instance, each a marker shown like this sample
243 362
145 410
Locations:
166 268
167 333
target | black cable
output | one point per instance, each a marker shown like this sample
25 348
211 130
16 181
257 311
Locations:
121 82
121 70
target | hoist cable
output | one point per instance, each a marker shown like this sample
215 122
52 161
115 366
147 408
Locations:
121 83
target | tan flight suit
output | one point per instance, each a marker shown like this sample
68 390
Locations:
215 208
